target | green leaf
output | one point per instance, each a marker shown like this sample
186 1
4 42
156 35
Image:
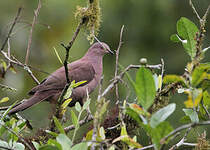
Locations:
19 146
102 133
66 103
185 120
168 79
54 143
68 93
206 98
192 114
78 107
145 87
48 147
80 146
175 38
36 145
64 141
6 112
51 133
187 30
59 58
199 74
74 119
58 125
162 114
112 147
77 84
86 104
3 100
133 115
162 130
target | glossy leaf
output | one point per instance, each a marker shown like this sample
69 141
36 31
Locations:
145 87
162 114
187 30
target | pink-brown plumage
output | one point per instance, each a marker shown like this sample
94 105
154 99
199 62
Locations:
89 68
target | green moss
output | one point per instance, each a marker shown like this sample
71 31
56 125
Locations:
93 15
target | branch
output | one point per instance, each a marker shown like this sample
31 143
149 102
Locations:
18 63
12 27
190 125
146 147
181 142
19 137
81 122
117 60
68 47
36 13
121 75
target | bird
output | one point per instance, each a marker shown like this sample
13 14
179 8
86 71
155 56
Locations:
89 68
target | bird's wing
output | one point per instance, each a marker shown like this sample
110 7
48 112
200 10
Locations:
79 71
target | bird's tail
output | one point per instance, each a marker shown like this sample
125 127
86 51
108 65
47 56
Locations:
36 98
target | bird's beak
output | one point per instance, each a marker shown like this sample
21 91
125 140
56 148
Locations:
110 51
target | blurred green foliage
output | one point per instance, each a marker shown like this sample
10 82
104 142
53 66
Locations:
148 26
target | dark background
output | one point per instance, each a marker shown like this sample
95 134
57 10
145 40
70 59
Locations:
148 26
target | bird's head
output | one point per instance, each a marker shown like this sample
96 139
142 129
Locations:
100 48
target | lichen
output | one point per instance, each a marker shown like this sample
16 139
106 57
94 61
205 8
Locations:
93 15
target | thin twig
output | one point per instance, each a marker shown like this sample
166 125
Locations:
81 122
117 60
194 10
68 47
146 147
36 13
12 27
206 13
27 68
120 76
190 125
19 137
162 71
181 142
8 53
100 88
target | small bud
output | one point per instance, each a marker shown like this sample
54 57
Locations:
143 61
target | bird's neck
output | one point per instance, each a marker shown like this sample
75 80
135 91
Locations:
96 61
